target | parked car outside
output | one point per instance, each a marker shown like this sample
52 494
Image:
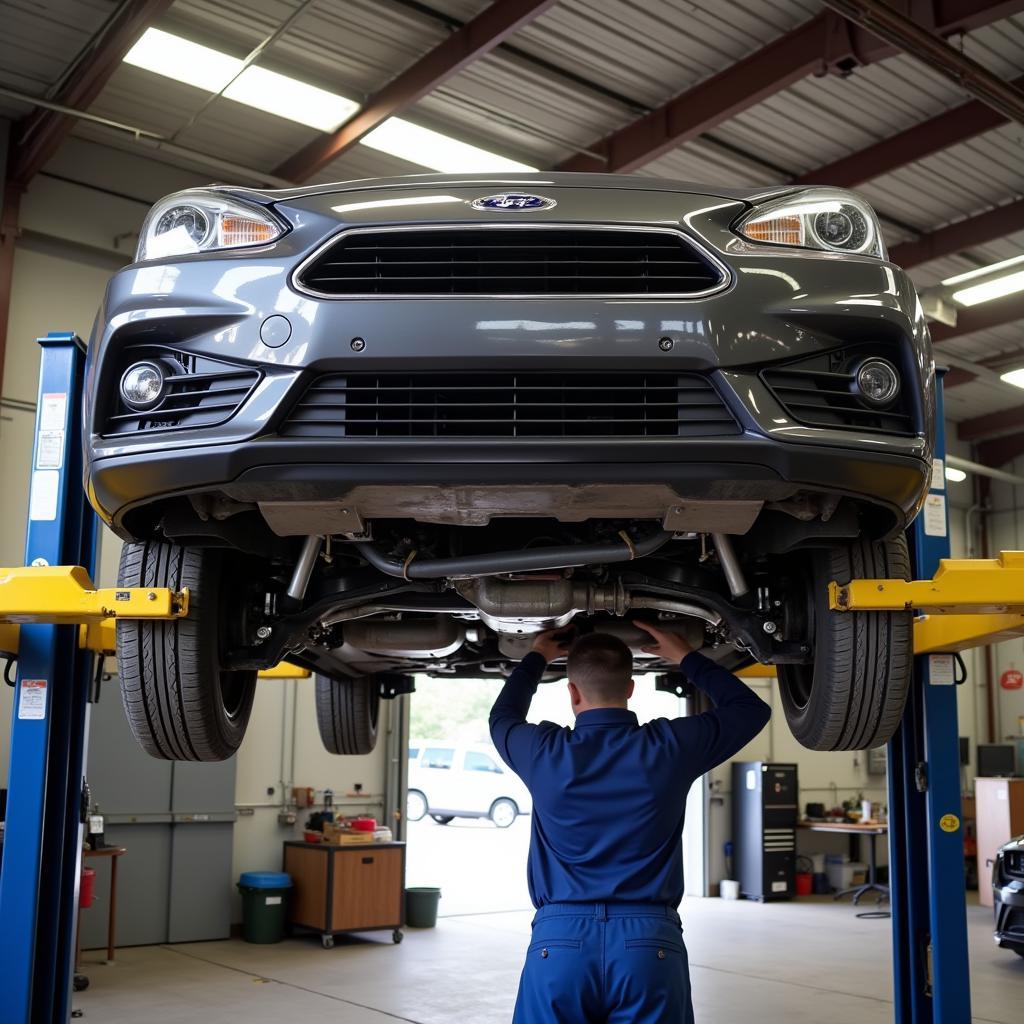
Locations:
1008 895
463 780
398 426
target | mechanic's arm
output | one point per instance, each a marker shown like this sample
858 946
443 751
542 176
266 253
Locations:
738 716
512 735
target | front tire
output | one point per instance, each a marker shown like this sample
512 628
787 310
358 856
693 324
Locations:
853 695
504 812
346 712
181 704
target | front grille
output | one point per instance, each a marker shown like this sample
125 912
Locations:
200 392
511 260
819 391
510 405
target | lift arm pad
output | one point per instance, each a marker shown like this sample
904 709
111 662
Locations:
64 595
989 586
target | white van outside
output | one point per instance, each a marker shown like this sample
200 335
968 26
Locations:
462 780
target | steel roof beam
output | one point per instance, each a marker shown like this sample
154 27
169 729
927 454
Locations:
991 425
962 234
981 318
826 43
474 39
915 143
1000 451
36 138
919 42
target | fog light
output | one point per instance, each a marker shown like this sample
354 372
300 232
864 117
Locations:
877 381
142 385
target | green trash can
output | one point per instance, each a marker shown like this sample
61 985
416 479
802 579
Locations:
421 906
264 905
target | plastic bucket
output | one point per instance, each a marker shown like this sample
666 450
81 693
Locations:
804 883
729 889
264 905
87 887
421 906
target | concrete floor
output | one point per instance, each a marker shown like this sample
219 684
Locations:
804 962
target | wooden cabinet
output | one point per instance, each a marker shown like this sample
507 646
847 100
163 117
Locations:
346 888
999 805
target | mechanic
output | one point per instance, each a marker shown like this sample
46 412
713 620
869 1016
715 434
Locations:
609 796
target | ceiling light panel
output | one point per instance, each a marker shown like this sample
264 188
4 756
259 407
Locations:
435 151
212 71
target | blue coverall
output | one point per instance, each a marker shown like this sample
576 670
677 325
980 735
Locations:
606 860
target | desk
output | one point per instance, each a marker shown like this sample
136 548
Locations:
856 829
112 853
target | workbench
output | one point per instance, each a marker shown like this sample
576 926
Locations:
852 828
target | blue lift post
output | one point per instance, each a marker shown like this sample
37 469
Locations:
931 976
42 845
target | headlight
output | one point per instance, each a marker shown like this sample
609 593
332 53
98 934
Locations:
822 218
191 222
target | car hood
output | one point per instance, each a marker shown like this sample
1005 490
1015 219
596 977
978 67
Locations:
572 199
483 184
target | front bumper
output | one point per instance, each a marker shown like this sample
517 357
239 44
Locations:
1008 901
780 305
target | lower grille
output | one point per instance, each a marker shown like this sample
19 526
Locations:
819 392
199 392
510 405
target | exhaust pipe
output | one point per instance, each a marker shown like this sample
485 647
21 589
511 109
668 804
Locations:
527 560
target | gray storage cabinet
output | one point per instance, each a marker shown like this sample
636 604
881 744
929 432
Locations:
176 821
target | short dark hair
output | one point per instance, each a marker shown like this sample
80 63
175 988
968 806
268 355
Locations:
601 666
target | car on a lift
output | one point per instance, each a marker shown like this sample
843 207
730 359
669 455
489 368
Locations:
400 425
462 780
1008 895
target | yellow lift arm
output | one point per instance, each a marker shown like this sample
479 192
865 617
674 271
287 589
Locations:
64 595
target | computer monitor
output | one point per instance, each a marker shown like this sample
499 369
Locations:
996 760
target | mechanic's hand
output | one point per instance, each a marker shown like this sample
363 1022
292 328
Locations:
553 643
670 646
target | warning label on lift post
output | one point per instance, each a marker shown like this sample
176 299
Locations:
32 699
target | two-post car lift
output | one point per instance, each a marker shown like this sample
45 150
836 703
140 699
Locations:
53 618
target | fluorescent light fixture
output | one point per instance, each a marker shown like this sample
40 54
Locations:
184 61
1006 285
958 476
970 275
1015 377
428 148
290 98
208 69
378 204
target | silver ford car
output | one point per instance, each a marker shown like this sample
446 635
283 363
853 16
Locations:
398 426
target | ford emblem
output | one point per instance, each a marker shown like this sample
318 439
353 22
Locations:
513 201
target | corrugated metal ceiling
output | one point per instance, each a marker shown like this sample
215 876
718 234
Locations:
576 73
38 42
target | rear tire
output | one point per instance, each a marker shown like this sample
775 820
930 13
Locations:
346 712
180 703
853 695
415 805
